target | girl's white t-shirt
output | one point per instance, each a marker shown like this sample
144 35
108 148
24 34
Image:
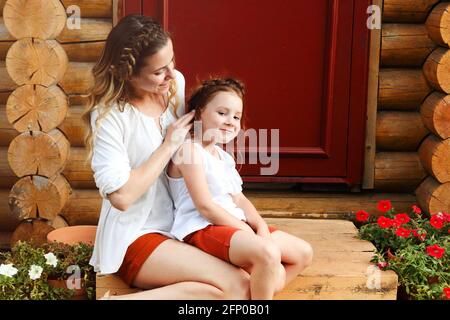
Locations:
223 181
123 141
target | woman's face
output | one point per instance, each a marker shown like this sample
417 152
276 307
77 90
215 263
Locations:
221 117
157 72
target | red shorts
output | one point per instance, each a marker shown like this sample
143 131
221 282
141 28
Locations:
137 253
214 240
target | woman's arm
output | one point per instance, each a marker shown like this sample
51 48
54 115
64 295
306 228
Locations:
143 177
191 168
254 219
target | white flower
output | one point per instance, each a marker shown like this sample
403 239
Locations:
51 259
7 270
35 272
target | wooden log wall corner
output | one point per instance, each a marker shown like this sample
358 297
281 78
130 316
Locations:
405 46
413 119
433 194
43 177
35 64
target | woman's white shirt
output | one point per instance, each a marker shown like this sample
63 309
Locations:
123 141
223 181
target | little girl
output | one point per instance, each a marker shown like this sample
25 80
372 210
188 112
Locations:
212 213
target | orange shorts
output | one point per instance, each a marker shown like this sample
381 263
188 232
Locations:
214 240
137 253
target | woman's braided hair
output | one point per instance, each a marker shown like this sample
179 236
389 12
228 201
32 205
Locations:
133 39
147 39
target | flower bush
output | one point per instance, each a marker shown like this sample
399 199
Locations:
26 269
415 246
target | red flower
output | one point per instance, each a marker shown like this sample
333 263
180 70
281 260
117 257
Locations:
384 222
396 223
402 218
437 221
384 205
362 216
402 232
435 251
382 264
446 216
416 209
447 292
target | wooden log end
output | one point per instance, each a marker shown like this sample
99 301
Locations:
39 197
36 108
437 69
43 19
433 196
438 24
39 153
35 61
31 230
435 155
435 112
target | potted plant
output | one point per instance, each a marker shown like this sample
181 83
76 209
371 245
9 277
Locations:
32 272
413 245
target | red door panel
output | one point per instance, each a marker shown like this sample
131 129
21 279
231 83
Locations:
295 58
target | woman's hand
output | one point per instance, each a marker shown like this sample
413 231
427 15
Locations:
177 131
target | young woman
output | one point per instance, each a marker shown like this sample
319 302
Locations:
133 132
212 213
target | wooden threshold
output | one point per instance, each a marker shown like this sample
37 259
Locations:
293 204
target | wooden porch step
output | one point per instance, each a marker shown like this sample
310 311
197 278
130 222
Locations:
341 268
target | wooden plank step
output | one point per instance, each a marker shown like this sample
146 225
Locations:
341 268
313 205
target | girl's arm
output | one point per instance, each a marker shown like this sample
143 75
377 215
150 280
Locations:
254 219
191 168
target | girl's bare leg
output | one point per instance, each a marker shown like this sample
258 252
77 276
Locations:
262 257
296 254
179 271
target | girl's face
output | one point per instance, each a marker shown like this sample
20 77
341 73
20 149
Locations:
157 72
221 117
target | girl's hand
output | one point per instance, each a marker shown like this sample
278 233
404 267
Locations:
245 227
263 230
177 131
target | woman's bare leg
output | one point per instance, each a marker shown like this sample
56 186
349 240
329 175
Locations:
174 266
178 291
296 254
262 257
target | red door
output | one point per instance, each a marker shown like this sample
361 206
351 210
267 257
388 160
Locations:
304 64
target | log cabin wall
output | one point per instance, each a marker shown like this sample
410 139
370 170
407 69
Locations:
413 118
41 144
